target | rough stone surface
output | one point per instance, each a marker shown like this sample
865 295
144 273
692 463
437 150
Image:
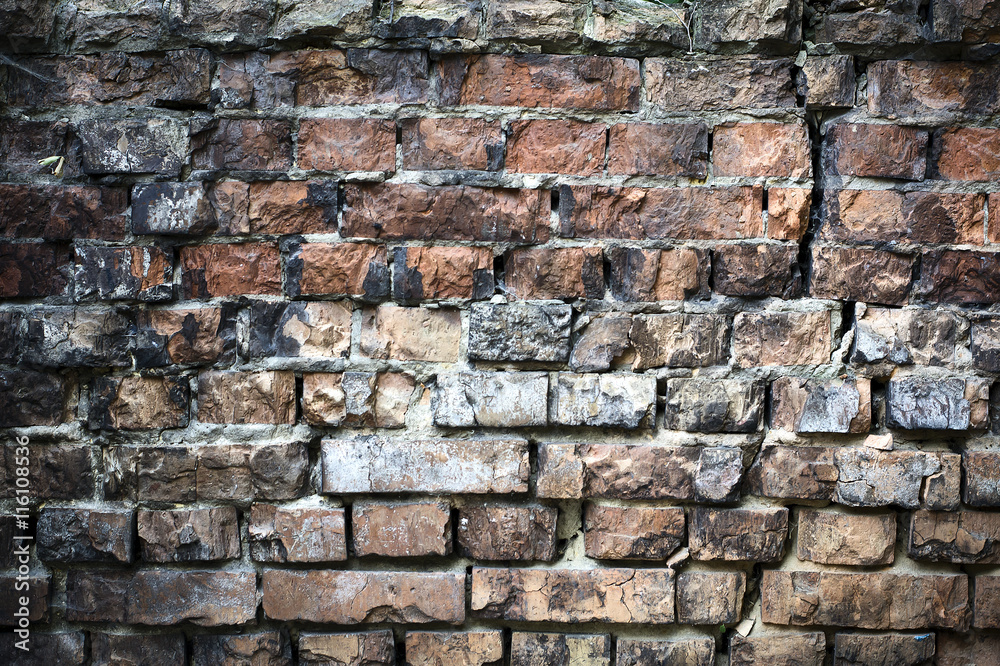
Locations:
85 535
709 405
966 278
981 473
756 270
644 652
559 649
601 342
965 537
57 471
905 337
860 274
401 530
153 649
679 340
496 532
619 400
424 273
367 648
648 149
658 275
949 404
781 338
356 398
246 397
884 649
918 217
778 650
681 85
347 144
827 81
411 334
491 399
761 149
300 330
519 332
877 151
139 403
626 533
292 534
869 477
451 143
156 145
183 536
710 597
756 535
436 648
986 610
231 269
171 209
846 538
542 273
817 405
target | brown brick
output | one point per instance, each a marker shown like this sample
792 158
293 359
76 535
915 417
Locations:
677 340
985 344
230 201
574 595
57 471
375 465
365 648
981 473
123 273
931 90
609 401
788 212
571 82
437 648
259 145
200 335
794 472
297 329
756 270
34 270
869 477
497 532
781 338
967 649
11 595
416 334
626 533
184 536
884 649
964 537
923 337
686 213
993 230
704 404
827 81
761 149
442 272
409 211
55 212
955 276
866 600
529 648
29 398
756 535
969 153
734 83
355 76
347 144
139 403
555 273
356 398
230 270
451 143
658 275
710 597
829 537
161 597
294 534
645 652
85 535
917 217
821 405
556 146
778 650
876 151
293 207
536 21
647 149
986 613
246 397
153 649
267 648
401 530
860 274
353 597
352 269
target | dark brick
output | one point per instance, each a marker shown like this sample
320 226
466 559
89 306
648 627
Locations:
756 271
55 212
57 471
33 270
30 398
85 535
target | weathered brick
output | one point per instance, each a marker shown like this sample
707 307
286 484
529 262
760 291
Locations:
866 600
860 274
266 648
536 20
66 648
647 149
185 536
964 537
442 272
570 82
366 648
496 532
955 276
904 337
778 650
821 405
7 557
411 334
85 535
756 535
246 397
410 211
519 332
986 609
627 533
574 595
985 344
967 649
601 342
186 336
981 473
437 648
353 597
131 27
171 208
617 24
27 22
829 537
527 648
355 76
761 149
871 28
29 398
230 201
553 273
781 338
297 534
788 212
37 594
356 398
876 151
884 649
756 270
916 217
230 23
678 340
348 19
347 144
34 270
733 83
161 597
230 143
230 270
55 212
491 399
610 401
292 207
556 146
913 403
57 471
351 269
154 145
375 465
451 143
281 329
645 652
248 81
684 213
928 91
827 81
958 21
139 403
442 18
749 21
869 477
401 530
658 275
710 597
123 273
713 405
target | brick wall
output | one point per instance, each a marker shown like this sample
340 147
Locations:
502 332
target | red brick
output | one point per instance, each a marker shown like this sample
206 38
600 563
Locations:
409 211
647 149
401 530
33 270
969 153
347 144
788 212
199 335
55 212
688 213
297 534
955 276
877 151
425 273
731 83
246 397
261 145
507 532
230 270
860 274
353 597
556 146
918 217
761 149
993 229
411 334
293 207
355 76
553 81
658 275
538 274
352 269
451 143
931 90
